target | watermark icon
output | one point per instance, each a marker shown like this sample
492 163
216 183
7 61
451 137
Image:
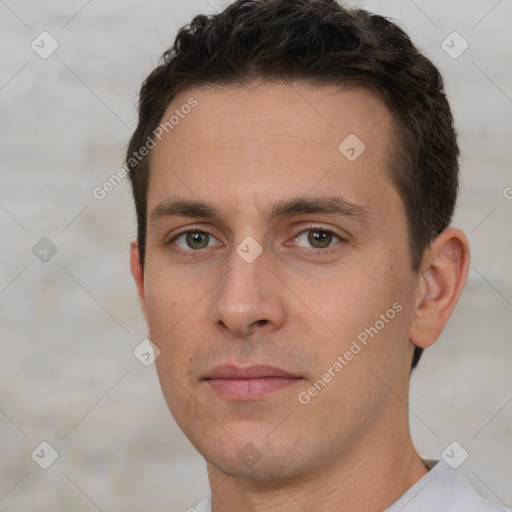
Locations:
507 193
44 250
454 45
319 385
249 249
44 455
113 181
249 454
146 352
454 454
44 45
351 147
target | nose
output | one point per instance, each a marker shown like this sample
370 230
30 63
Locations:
249 297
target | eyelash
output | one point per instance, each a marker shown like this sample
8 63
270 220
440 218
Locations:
312 250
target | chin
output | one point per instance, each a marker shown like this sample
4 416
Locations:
259 461
263 470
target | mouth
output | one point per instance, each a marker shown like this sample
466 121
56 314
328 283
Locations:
249 383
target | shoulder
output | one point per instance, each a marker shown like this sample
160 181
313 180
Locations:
204 506
444 489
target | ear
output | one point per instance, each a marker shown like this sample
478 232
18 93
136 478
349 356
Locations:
442 277
138 276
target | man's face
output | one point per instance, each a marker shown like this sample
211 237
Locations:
327 284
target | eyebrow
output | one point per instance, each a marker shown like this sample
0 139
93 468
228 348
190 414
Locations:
334 205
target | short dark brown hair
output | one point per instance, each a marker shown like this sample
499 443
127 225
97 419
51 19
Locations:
323 43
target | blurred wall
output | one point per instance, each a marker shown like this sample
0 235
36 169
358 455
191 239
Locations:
69 315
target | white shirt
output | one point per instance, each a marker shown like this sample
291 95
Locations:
442 489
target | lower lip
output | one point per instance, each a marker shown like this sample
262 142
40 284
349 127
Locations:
250 389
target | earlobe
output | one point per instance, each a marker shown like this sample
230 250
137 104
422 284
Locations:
442 279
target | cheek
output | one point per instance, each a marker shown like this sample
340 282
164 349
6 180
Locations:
350 299
367 314
165 329
161 304
168 297
176 318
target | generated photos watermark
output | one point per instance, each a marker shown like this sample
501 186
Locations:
111 183
356 346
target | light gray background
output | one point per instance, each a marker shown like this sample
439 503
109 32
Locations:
68 326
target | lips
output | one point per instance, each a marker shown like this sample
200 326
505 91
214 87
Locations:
249 383
250 372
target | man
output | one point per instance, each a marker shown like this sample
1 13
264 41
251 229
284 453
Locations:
295 172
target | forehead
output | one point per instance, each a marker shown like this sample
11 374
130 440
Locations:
270 140
316 114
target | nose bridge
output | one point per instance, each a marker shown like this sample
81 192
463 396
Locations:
246 295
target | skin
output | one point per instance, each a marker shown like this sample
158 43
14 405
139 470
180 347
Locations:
299 305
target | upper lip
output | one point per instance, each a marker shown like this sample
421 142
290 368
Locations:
230 371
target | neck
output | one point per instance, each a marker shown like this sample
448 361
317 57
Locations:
368 477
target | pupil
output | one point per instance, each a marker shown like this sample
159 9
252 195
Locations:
197 240
321 237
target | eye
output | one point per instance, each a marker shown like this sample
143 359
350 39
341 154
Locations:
318 238
193 240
